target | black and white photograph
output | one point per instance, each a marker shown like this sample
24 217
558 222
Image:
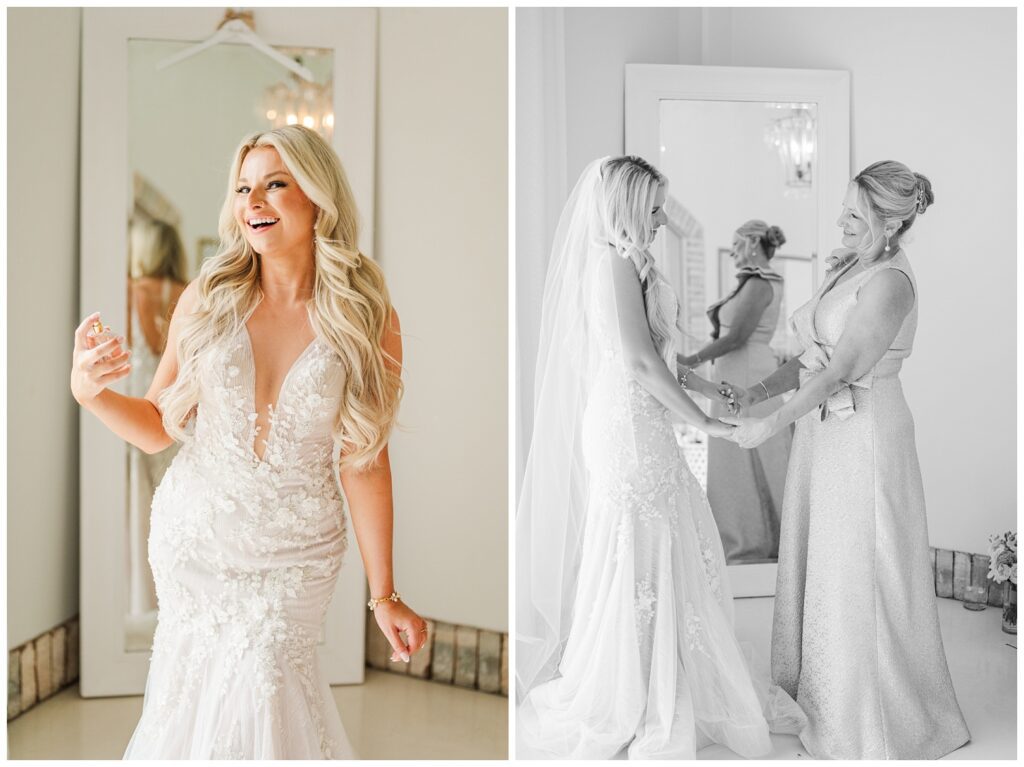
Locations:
765 383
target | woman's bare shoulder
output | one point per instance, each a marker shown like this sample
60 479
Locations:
188 299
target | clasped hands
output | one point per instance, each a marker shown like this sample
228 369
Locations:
748 432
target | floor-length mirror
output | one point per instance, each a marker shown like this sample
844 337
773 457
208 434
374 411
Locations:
162 114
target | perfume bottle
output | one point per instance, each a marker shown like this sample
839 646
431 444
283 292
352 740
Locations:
100 333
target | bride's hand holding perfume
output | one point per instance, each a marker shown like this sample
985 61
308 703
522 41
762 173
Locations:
98 359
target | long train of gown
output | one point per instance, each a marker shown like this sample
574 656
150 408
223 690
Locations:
856 632
245 554
651 663
745 486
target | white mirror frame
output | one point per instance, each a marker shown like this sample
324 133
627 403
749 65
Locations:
106 668
648 84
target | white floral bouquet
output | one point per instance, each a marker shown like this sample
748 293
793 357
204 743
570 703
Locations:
1002 551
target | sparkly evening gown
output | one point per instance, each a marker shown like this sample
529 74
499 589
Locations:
856 632
745 486
245 554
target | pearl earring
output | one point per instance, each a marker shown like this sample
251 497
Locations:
887 248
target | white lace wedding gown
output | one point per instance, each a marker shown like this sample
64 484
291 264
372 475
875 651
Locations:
245 554
652 664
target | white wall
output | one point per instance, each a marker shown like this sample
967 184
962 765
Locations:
42 312
442 229
542 186
599 42
935 88
932 87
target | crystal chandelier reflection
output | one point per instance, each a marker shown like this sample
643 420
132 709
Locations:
297 102
794 137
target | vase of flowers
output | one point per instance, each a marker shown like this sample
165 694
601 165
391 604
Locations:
1002 568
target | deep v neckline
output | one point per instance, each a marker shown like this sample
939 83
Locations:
274 405
835 281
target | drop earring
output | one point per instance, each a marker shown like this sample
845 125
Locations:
887 248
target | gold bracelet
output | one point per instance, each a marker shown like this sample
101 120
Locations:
394 596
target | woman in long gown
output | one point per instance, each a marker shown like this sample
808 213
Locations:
745 486
856 633
624 617
282 355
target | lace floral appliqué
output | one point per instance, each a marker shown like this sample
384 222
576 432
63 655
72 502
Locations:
645 600
695 632
245 553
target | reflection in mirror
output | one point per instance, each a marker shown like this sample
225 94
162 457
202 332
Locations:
157 274
184 123
736 168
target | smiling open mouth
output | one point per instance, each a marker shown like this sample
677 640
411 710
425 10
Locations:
260 224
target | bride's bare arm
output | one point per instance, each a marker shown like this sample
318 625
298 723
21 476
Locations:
137 420
638 353
371 506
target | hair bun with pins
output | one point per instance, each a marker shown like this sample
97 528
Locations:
775 237
925 195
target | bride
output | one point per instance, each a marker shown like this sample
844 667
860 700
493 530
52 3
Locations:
624 616
283 355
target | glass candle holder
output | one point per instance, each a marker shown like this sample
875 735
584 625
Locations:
975 597
1010 607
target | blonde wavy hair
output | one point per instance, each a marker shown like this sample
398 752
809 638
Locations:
629 186
351 307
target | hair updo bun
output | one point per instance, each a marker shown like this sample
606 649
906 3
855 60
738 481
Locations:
775 237
768 237
894 191
925 195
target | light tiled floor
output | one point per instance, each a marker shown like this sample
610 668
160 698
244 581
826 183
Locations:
388 717
983 667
